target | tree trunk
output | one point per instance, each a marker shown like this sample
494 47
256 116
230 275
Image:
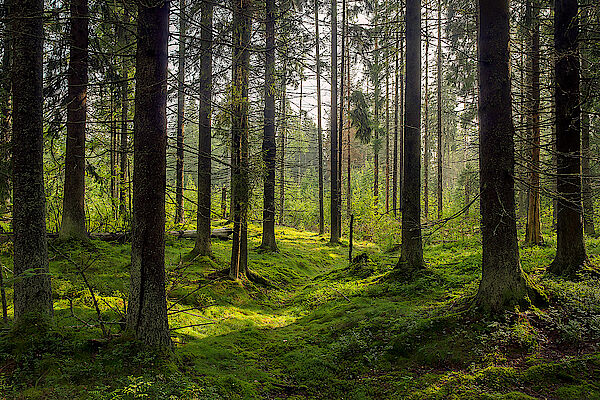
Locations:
73 217
570 247
387 134
341 122
203 246
180 117
426 123
412 246
440 153
533 234
32 290
124 167
269 146
377 92
319 123
397 101
503 284
588 193
147 309
282 145
335 223
239 134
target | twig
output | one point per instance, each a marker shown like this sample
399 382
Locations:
192 326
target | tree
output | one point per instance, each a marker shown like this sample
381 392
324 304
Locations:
147 309
73 217
335 222
533 234
412 246
32 290
503 283
319 122
239 137
180 115
203 245
570 247
269 145
588 194
440 152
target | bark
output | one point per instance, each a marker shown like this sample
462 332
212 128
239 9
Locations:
32 291
440 152
533 231
412 246
377 92
282 144
239 134
203 246
588 194
319 123
570 247
124 165
335 222
73 217
426 123
341 123
180 154
397 101
269 146
147 309
503 283
387 135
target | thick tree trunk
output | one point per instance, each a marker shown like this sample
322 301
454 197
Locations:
440 153
335 223
319 123
503 284
32 291
412 245
203 246
341 123
239 134
147 309
180 153
73 217
533 234
570 247
269 146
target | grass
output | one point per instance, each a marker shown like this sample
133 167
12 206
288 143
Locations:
326 330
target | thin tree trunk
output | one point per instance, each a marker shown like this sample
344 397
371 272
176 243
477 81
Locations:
319 122
124 167
377 92
73 217
570 246
349 142
341 124
397 100
240 129
282 145
180 117
588 194
335 228
32 289
440 153
533 234
269 146
412 245
387 134
203 245
503 283
147 309
426 122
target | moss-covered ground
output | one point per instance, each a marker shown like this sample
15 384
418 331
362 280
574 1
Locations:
325 329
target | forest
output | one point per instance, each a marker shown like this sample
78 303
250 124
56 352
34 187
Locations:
299 199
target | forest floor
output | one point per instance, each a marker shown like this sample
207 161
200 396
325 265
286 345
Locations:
325 329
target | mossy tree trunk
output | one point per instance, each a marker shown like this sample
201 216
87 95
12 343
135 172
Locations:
570 246
147 309
269 146
239 136
73 216
32 290
503 283
412 244
203 244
